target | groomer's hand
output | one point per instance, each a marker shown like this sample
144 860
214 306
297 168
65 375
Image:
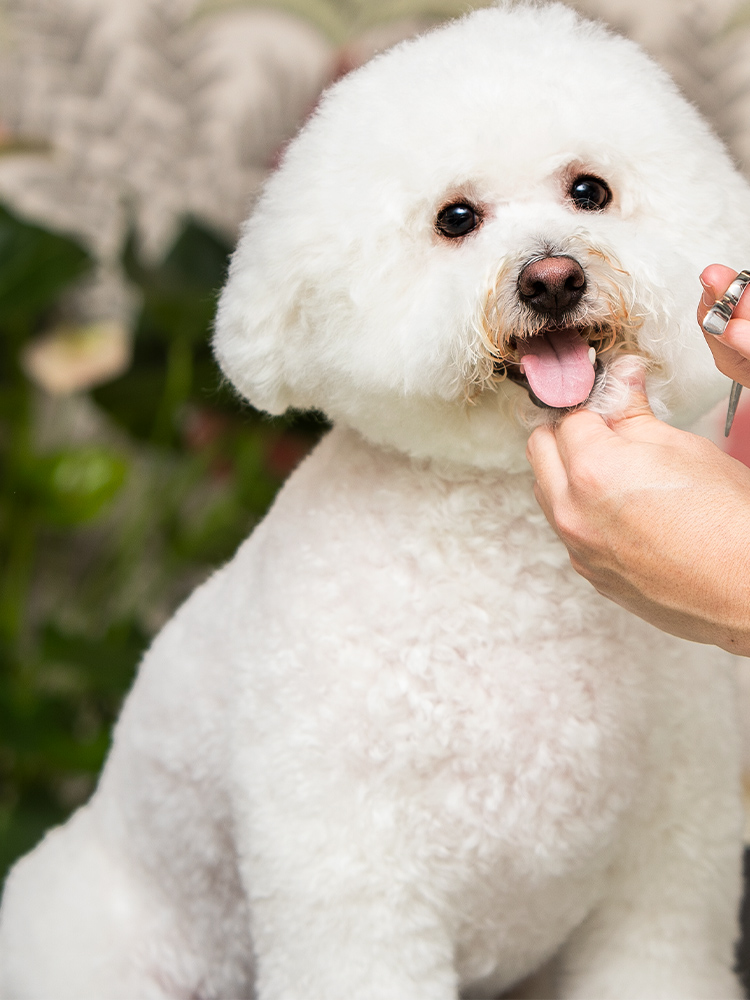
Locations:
731 350
657 519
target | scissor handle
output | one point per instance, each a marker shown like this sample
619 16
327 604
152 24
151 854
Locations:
717 317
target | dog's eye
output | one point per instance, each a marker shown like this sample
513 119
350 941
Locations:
457 220
590 194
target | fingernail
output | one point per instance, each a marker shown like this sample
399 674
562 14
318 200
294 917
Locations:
708 298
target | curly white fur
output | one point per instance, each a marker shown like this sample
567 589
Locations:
397 749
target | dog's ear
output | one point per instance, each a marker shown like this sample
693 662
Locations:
276 328
256 316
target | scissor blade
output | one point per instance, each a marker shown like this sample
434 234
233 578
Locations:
734 398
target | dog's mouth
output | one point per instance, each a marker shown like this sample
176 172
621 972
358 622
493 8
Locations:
562 359
557 366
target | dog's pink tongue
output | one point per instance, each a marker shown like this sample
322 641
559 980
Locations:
558 367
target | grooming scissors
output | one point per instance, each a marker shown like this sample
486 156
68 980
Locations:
715 323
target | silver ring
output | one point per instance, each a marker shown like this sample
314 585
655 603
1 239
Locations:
720 313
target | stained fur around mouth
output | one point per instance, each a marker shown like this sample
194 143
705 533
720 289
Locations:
608 318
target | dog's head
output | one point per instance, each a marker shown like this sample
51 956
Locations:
474 229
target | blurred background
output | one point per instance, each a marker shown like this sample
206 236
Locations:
134 136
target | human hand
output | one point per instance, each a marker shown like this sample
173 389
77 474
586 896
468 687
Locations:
658 520
731 350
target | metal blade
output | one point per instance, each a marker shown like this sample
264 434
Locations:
734 398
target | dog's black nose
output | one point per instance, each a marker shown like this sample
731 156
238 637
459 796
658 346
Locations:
552 285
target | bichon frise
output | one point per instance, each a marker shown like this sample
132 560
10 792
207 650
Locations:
397 749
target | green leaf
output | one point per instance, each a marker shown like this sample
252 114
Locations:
74 484
133 400
104 665
22 827
35 267
197 263
172 334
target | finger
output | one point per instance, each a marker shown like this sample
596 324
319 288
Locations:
736 335
716 279
579 432
551 477
582 436
631 371
731 351
544 502
637 420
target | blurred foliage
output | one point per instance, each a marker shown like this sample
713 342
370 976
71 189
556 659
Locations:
103 532
739 18
342 20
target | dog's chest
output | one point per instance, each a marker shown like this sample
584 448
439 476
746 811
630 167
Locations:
504 695
474 690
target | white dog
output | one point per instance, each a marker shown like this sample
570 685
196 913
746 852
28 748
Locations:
397 749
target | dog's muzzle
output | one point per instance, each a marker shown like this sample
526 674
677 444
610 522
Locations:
554 320
556 363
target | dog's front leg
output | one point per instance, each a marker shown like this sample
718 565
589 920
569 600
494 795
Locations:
668 920
330 921
672 943
624 952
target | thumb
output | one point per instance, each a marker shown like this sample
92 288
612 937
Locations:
637 420
637 404
629 373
